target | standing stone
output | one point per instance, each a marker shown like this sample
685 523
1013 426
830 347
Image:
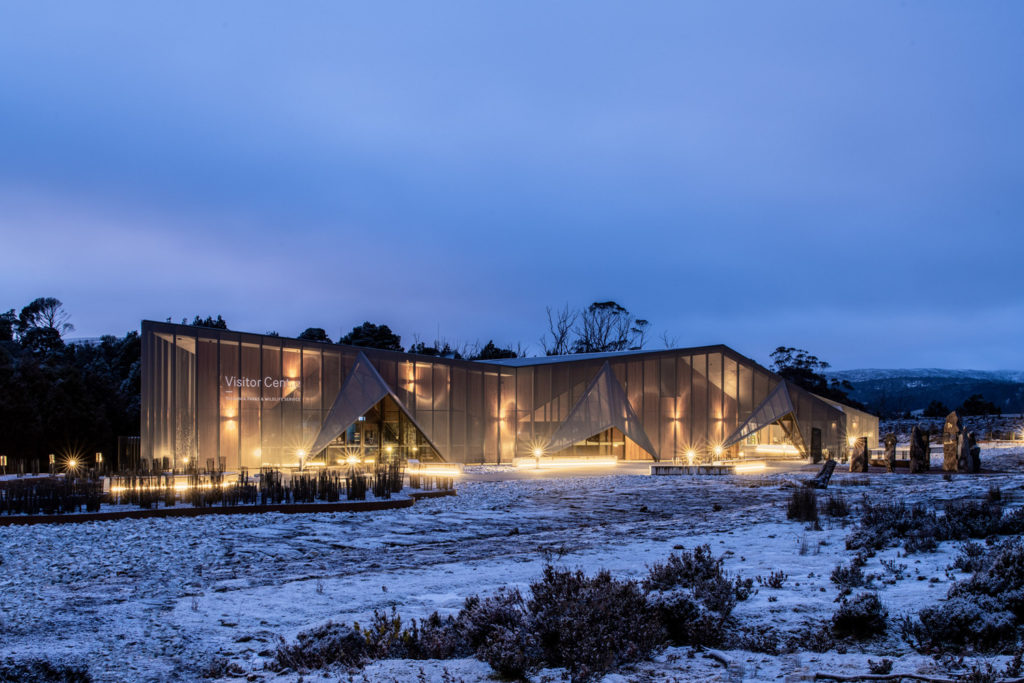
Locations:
823 477
963 456
859 455
975 453
953 442
920 450
890 452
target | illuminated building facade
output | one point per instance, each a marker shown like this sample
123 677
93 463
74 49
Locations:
224 399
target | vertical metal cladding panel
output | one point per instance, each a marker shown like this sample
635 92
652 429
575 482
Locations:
525 431
745 384
684 402
163 400
699 403
185 436
477 443
291 403
560 391
494 417
457 408
312 396
424 393
441 407
271 451
652 400
406 389
508 436
388 369
208 390
331 375
542 417
715 399
251 440
230 401
668 415
635 395
730 396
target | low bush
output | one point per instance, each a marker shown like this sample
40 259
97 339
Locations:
774 580
848 576
694 596
920 529
971 557
861 617
836 506
803 505
323 646
590 625
983 612
42 671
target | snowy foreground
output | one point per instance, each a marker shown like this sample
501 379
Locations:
142 600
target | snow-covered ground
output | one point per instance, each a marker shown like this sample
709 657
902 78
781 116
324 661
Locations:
154 599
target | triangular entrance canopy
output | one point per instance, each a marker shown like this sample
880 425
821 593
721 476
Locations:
603 405
777 407
361 391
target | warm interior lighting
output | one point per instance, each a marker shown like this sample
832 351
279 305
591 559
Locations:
717 450
780 448
537 452
567 461
748 467
852 441
301 453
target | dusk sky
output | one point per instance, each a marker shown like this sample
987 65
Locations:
845 177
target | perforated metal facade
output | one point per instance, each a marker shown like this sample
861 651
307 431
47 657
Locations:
243 400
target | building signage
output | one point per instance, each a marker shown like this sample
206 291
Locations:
288 387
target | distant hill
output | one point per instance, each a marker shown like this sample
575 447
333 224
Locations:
888 392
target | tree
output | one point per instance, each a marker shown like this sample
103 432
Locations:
560 327
45 313
936 409
373 336
492 352
208 321
8 324
315 334
808 371
600 327
976 404
607 326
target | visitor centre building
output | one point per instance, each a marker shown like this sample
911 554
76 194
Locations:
229 400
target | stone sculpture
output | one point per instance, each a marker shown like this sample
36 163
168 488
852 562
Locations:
890 452
920 450
859 455
953 443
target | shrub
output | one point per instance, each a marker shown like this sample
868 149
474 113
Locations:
221 667
848 576
881 667
761 638
960 623
42 671
775 580
322 646
803 505
702 573
861 617
590 625
815 636
511 652
836 506
971 557
480 617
